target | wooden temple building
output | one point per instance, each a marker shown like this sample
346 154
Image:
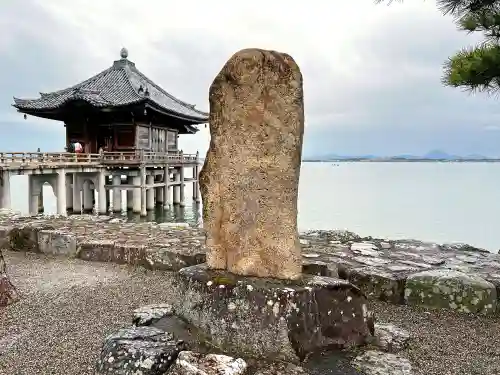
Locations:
129 128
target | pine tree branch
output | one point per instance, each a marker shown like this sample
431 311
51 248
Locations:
475 69
485 21
457 8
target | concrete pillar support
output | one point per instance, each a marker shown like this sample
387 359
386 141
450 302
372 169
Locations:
41 205
136 201
130 194
176 187
150 194
101 189
87 197
109 181
117 194
182 200
69 192
33 195
61 192
166 188
196 184
5 189
159 192
77 194
144 211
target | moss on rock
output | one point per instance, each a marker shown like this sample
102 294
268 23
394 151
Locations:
451 290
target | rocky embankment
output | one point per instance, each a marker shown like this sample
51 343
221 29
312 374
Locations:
452 276
455 277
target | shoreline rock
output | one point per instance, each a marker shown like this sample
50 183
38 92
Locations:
381 268
270 318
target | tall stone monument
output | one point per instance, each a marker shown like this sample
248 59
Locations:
249 183
251 298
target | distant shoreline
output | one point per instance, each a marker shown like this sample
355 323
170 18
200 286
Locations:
395 160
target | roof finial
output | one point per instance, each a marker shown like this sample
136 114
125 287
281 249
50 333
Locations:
124 53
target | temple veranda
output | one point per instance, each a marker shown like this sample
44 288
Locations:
147 178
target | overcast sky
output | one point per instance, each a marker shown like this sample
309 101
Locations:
371 72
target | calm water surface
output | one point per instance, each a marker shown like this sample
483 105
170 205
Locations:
442 202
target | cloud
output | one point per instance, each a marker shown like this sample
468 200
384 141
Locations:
370 71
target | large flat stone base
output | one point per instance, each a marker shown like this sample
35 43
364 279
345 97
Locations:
268 318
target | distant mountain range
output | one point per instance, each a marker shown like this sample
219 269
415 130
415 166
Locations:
431 155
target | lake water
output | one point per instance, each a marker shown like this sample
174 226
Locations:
442 202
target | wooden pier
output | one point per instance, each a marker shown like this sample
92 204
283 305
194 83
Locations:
128 128
146 176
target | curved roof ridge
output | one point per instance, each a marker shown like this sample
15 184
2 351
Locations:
78 85
159 88
118 85
124 69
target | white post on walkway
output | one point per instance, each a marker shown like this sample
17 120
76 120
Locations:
77 197
196 182
176 187
88 203
166 188
61 192
130 194
136 206
41 206
159 192
117 193
5 190
144 212
150 193
181 188
109 180
102 202
69 192
33 195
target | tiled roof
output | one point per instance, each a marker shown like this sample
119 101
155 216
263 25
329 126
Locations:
122 84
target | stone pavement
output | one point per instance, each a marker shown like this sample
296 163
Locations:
458 277
455 276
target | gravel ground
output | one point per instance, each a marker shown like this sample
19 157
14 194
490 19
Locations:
66 310
69 306
444 342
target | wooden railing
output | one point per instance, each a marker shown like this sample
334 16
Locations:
149 157
131 157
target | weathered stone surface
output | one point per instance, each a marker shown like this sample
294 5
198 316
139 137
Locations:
272 319
451 290
126 253
249 182
96 250
380 268
164 257
390 338
190 363
379 363
326 253
375 283
8 293
57 243
25 237
138 350
146 315
173 225
5 237
281 368
319 268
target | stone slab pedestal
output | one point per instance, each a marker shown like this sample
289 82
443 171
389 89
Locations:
269 318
